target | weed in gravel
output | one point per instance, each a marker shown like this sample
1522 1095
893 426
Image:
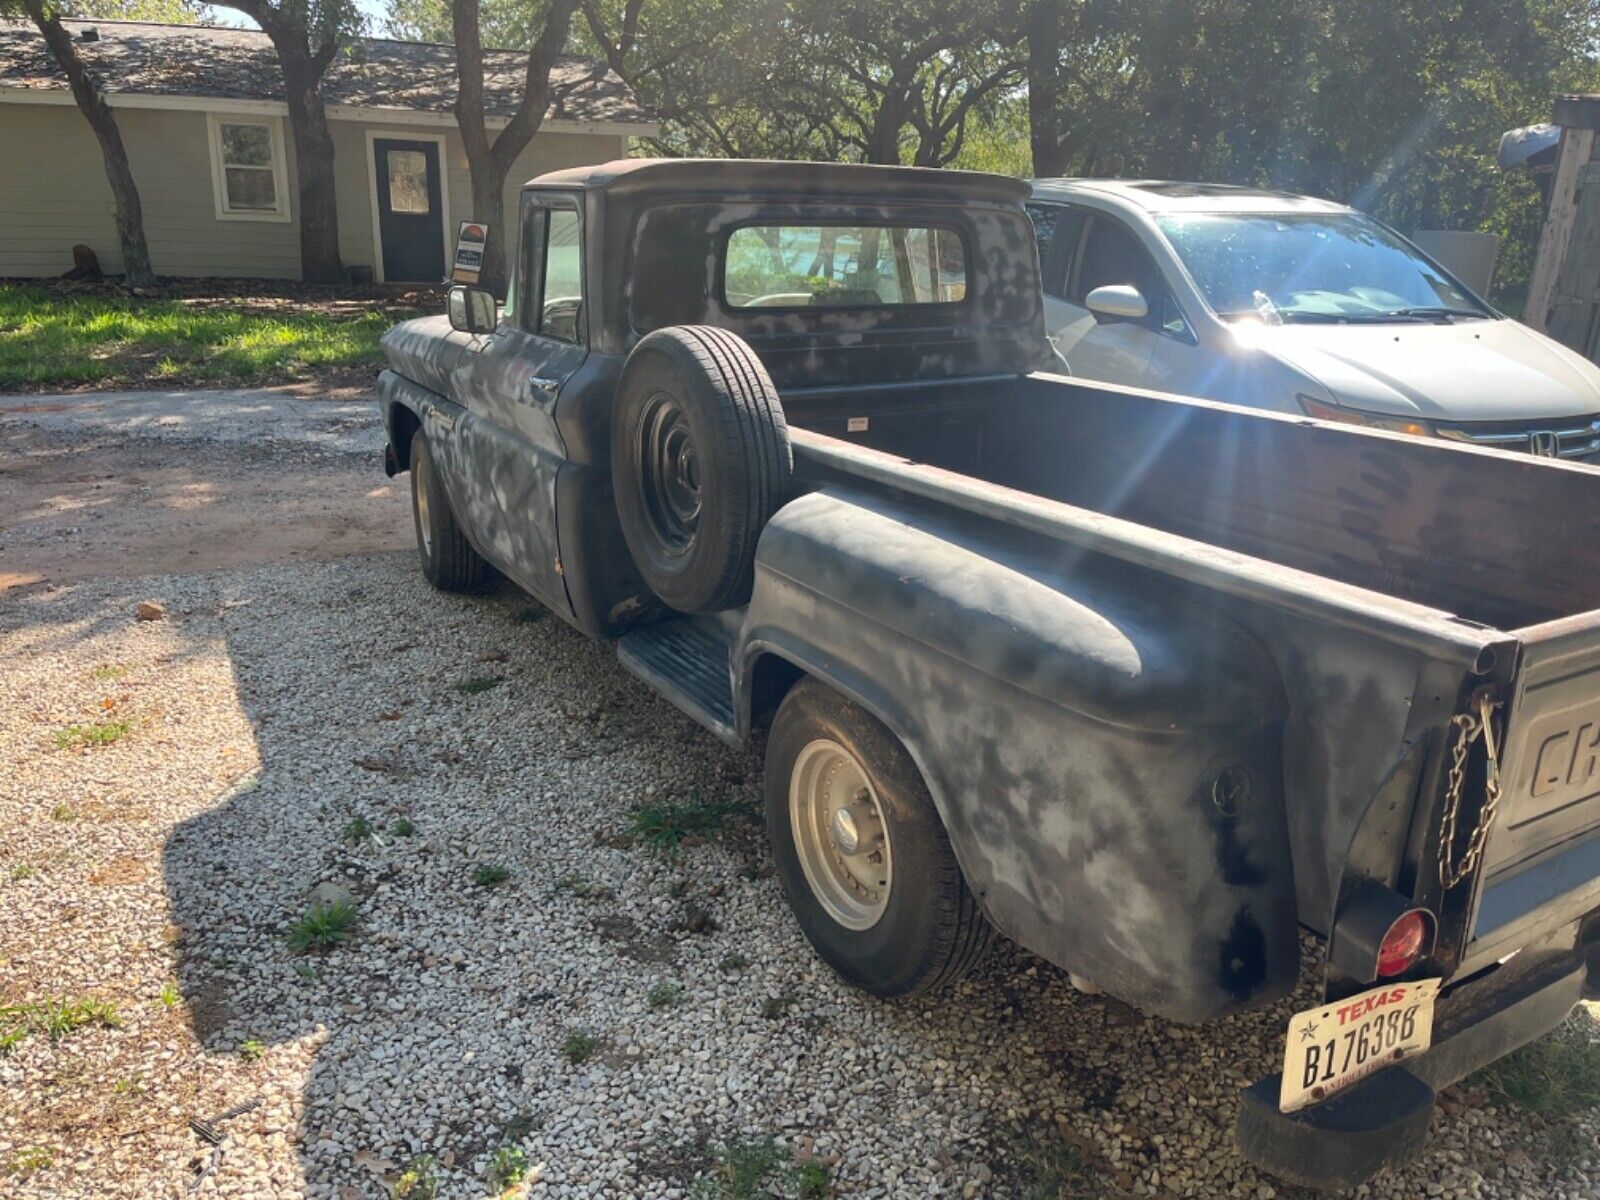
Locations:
666 994
22 871
774 1007
490 874
577 885
55 1018
478 683
507 1168
109 673
579 1045
101 733
252 1050
171 997
359 829
323 927
1556 1076
1044 1165
419 1181
663 827
63 812
402 827
729 963
758 1169
30 1160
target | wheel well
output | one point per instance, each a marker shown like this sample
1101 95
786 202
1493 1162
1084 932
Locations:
770 681
405 424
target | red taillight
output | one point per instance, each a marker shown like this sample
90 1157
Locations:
1403 944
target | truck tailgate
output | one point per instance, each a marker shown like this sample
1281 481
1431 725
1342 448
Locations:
1542 858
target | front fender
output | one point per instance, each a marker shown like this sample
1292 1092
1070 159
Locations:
1103 746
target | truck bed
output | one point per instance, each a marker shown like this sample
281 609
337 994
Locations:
1387 577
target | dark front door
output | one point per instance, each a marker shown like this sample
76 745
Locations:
410 210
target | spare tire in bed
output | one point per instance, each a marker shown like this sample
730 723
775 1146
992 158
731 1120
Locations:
700 460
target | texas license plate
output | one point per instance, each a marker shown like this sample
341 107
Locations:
1331 1048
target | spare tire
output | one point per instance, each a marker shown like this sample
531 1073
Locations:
700 460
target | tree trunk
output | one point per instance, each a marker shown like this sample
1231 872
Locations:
1043 32
313 153
489 173
136 269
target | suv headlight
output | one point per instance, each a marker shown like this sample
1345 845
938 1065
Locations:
1329 412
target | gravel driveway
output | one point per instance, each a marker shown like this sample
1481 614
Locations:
635 1023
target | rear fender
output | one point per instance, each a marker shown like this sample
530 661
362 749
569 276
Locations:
1103 749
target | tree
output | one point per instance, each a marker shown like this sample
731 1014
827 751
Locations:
307 35
91 101
489 161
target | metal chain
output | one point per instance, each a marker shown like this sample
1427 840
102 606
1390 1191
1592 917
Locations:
1468 726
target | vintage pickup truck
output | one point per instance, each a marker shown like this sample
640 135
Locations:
1151 686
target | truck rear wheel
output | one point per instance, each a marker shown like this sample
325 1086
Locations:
700 460
861 852
448 559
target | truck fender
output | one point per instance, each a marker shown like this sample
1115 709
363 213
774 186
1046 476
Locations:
1104 750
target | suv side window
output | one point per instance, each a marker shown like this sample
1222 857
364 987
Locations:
1058 229
1112 255
552 263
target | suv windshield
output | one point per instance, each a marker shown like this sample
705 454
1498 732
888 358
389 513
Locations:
1337 267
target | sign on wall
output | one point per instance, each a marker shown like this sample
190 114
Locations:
469 252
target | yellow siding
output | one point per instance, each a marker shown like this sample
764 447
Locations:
53 192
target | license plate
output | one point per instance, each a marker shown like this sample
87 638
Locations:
1331 1048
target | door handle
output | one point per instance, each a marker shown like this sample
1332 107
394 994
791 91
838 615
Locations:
542 383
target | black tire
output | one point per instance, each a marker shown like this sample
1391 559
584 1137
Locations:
930 932
700 460
448 559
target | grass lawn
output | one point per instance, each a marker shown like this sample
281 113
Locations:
202 334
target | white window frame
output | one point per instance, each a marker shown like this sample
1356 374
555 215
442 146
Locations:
219 182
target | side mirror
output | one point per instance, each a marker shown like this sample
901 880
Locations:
1117 302
472 310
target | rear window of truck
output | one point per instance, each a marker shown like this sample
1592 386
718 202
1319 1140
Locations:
843 266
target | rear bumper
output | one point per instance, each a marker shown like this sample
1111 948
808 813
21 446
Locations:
1384 1120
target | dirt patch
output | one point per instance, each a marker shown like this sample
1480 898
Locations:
74 508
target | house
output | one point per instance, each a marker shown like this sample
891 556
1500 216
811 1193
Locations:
202 116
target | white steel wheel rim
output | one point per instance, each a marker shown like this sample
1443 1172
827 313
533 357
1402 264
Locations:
840 834
419 472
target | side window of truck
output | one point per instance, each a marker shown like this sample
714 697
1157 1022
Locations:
1058 229
552 263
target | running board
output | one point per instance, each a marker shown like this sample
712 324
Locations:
686 660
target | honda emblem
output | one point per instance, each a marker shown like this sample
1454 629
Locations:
1544 443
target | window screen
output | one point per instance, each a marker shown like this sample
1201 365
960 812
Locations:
843 266
247 169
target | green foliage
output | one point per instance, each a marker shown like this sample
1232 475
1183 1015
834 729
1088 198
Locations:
402 827
171 997
358 829
419 1181
101 733
55 1018
168 12
666 994
490 874
252 1050
663 826
508 1167
1557 1076
29 1160
579 1045
760 1169
48 340
324 926
478 684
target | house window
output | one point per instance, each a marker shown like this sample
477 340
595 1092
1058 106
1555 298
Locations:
408 182
247 168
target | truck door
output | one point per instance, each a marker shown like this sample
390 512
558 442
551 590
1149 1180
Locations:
515 378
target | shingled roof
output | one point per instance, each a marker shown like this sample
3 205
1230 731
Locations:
144 58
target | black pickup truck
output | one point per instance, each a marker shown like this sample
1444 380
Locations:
1148 685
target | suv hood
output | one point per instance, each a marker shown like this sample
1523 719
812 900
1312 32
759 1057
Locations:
1490 370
